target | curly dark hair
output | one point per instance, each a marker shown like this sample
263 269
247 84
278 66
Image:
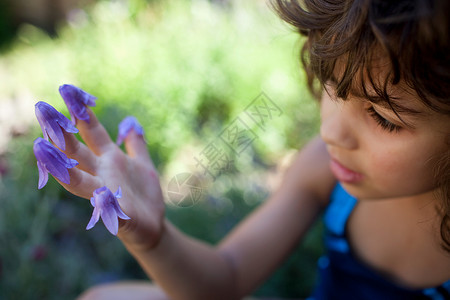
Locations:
414 35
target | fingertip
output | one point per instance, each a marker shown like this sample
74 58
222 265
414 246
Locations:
136 146
90 120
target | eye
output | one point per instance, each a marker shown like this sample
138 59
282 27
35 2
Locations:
385 124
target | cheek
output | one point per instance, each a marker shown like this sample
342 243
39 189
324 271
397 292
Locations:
401 172
386 165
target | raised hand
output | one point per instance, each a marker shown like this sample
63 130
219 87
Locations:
102 163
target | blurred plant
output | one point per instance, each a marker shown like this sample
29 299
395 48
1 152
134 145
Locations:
184 69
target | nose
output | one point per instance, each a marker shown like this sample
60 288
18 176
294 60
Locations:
337 128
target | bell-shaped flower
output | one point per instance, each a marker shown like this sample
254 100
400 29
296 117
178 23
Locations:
106 206
76 100
125 127
51 160
52 122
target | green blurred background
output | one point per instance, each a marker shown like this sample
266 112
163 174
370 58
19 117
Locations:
185 69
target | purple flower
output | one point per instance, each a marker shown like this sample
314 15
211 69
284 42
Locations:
51 160
51 122
106 205
76 100
128 124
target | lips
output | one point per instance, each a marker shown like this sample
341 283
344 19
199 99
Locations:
343 173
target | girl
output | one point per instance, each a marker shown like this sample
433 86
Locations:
380 168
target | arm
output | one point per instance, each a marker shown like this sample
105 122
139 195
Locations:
255 248
186 268
268 236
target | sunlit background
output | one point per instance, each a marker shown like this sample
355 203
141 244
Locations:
187 70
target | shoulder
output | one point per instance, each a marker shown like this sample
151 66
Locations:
310 173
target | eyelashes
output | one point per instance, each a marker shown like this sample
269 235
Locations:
385 124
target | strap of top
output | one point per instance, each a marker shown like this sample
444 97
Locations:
339 210
336 217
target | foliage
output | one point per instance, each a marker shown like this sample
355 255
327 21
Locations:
185 69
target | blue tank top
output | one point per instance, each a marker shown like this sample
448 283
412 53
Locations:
343 276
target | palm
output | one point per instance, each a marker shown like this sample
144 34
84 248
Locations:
142 198
102 163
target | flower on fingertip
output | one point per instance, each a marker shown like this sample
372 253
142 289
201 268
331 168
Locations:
106 206
125 127
51 160
52 122
76 101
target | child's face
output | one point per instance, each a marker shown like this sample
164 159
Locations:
374 154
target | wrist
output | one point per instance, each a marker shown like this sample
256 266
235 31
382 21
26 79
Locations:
143 240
